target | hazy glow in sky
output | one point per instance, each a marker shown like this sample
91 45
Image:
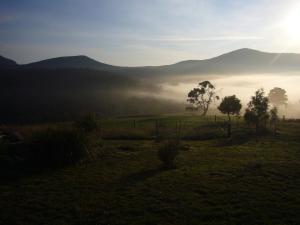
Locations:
144 32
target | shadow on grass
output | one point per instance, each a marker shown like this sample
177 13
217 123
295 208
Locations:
143 175
17 173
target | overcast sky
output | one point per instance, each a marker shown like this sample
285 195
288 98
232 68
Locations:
144 32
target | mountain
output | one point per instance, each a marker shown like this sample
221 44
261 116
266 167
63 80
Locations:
70 62
63 87
5 62
239 61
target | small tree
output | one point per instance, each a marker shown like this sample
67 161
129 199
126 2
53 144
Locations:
249 117
257 111
202 96
230 105
277 97
274 119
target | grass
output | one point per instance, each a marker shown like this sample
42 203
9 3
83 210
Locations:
255 182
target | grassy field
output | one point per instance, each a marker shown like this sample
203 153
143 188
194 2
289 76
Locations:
253 181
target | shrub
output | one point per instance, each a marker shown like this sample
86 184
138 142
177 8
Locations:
168 152
58 147
5 157
87 123
12 155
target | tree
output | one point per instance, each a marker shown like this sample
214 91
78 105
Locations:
277 97
274 119
202 96
257 111
249 117
230 105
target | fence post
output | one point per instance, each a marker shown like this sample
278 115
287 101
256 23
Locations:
100 129
134 125
156 130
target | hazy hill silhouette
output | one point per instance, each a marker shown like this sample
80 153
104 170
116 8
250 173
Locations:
65 86
240 61
42 95
70 62
5 62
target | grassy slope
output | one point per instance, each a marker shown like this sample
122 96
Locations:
253 183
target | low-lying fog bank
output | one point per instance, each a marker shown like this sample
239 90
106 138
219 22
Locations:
243 86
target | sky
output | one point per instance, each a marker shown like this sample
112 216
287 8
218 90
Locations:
145 32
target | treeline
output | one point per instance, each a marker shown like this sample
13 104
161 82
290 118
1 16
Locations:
260 110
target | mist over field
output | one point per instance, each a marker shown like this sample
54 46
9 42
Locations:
243 86
176 88
66 86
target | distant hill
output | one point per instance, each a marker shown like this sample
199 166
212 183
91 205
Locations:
70 62
240 61
63 87
5 62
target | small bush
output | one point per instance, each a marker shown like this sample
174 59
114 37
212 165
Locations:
6 158
168 152
12 155
58 147
87 123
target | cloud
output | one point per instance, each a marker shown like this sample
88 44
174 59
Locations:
5 18
212 38
140 32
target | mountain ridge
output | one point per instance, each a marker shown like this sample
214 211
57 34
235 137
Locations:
51 89
6 62
78 61
242 60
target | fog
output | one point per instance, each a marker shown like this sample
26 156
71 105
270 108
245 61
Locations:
243 86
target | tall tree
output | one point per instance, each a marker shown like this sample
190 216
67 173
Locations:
202 96
278 97
230 105
257 111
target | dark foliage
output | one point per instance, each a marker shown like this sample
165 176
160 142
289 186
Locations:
168 152
46 95
87 123
230 105
58 147
257 112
